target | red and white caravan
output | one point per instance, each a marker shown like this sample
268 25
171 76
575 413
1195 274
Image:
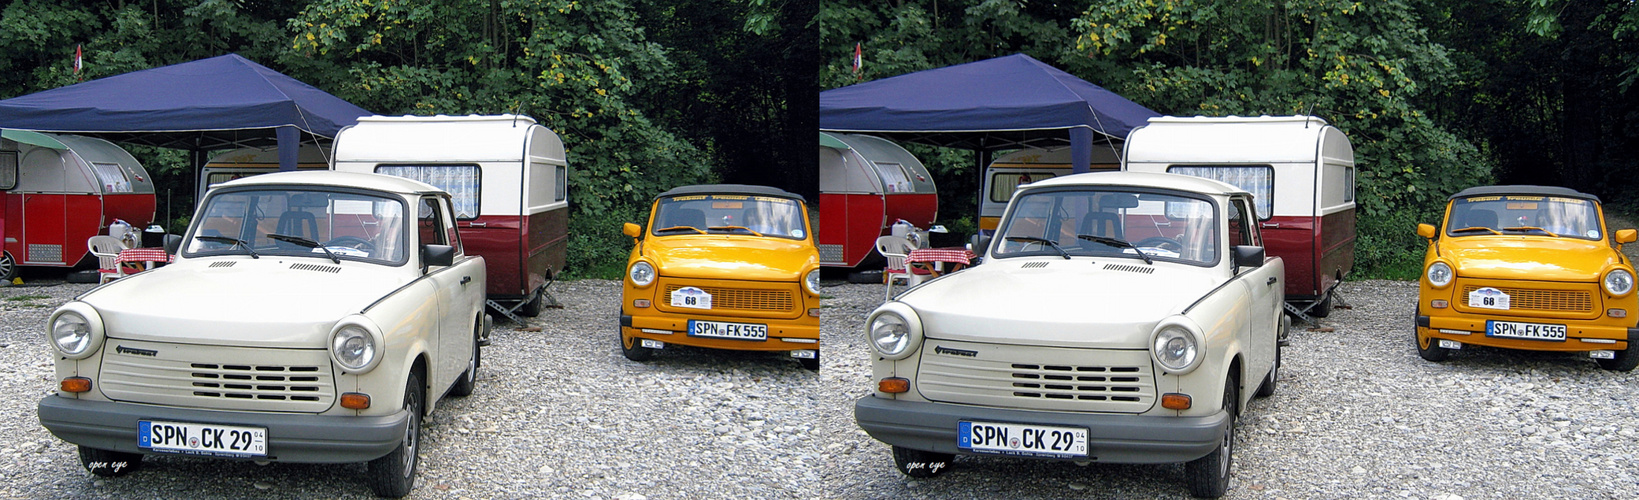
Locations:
509 180
866 184
59 191
1300 172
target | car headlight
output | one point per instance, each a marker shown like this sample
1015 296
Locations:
1176 347
894 330
354 348
1619 282
76 330
812 281
1439 274
642 273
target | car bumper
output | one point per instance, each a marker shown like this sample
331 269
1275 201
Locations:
110 425
1580 336
1111 438
783 334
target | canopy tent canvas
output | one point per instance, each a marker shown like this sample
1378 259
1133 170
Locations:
223 102
1007 102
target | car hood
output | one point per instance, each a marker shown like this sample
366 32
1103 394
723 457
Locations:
1106 303
1536 258
731 256
267 302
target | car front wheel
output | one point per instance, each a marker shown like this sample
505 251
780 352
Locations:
1208 476
1429 348
635 351
392 475
1625 361
920 464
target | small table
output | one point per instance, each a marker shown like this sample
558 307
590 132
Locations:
935 260
147 256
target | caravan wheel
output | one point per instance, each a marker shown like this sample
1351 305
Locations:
8 266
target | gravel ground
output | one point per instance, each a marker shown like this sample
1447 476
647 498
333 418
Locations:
559 413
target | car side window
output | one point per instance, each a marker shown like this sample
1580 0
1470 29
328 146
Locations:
1240 229
430 223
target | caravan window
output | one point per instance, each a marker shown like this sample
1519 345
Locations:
1002 184
460 181
8 169
894 178
563 184
112 177
1256 179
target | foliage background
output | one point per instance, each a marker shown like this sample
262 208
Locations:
647 94
1436 95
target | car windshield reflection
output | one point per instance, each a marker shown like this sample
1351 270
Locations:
339 225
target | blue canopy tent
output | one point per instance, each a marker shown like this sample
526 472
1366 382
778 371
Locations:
223 102
1007 102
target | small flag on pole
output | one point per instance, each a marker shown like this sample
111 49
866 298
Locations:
859 60
78 61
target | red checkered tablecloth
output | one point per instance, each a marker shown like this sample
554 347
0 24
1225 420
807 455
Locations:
957 255
142 255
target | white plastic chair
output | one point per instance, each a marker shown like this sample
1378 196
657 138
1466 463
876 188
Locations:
894 249
107 249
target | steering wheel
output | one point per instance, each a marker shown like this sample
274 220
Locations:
1167 244
351 242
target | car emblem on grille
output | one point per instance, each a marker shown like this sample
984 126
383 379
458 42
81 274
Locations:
955 352
136 352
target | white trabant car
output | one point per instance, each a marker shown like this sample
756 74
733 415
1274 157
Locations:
309 317
1118 317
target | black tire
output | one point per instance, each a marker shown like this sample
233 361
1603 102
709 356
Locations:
1625 360
469 380
108 463
1208 476
8 266
532 308
393 475
1433 352
1323 308
1267 388
636 352
811 364
921 464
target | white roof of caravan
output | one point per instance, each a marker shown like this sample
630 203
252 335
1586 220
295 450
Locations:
469 138
1235 139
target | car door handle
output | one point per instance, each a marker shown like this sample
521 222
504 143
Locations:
468 279
1271 281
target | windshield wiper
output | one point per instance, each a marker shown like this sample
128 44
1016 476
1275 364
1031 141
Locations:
234 241
297 240
1530 228
1033 239
678 228
1118 243
731 228
1474 229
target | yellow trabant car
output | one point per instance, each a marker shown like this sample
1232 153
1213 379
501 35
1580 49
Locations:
724 266
1527 267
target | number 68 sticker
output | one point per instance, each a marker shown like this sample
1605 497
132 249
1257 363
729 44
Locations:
1488 298
691 297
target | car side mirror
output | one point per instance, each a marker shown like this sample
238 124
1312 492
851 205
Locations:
632 230
1626 236
438 255
173 243
1425 230
978 244
1247 256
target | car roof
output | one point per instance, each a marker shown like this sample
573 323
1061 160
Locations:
1142 179
730 189
378 182
1524 189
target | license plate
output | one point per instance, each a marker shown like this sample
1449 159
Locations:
202 439
1021 440
721 330
1530 331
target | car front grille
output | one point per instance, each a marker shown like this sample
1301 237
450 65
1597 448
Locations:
229 378
1528 299
1044 378
743 299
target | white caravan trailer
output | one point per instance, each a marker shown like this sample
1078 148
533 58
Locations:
1300 172
509 179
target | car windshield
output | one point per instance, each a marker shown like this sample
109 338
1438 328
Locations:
730 214
1524 215
1111 221
298 222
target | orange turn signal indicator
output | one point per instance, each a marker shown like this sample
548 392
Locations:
640 303
1175 401
814 312
1617 313
355 400
1439 304
76 384
894 385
